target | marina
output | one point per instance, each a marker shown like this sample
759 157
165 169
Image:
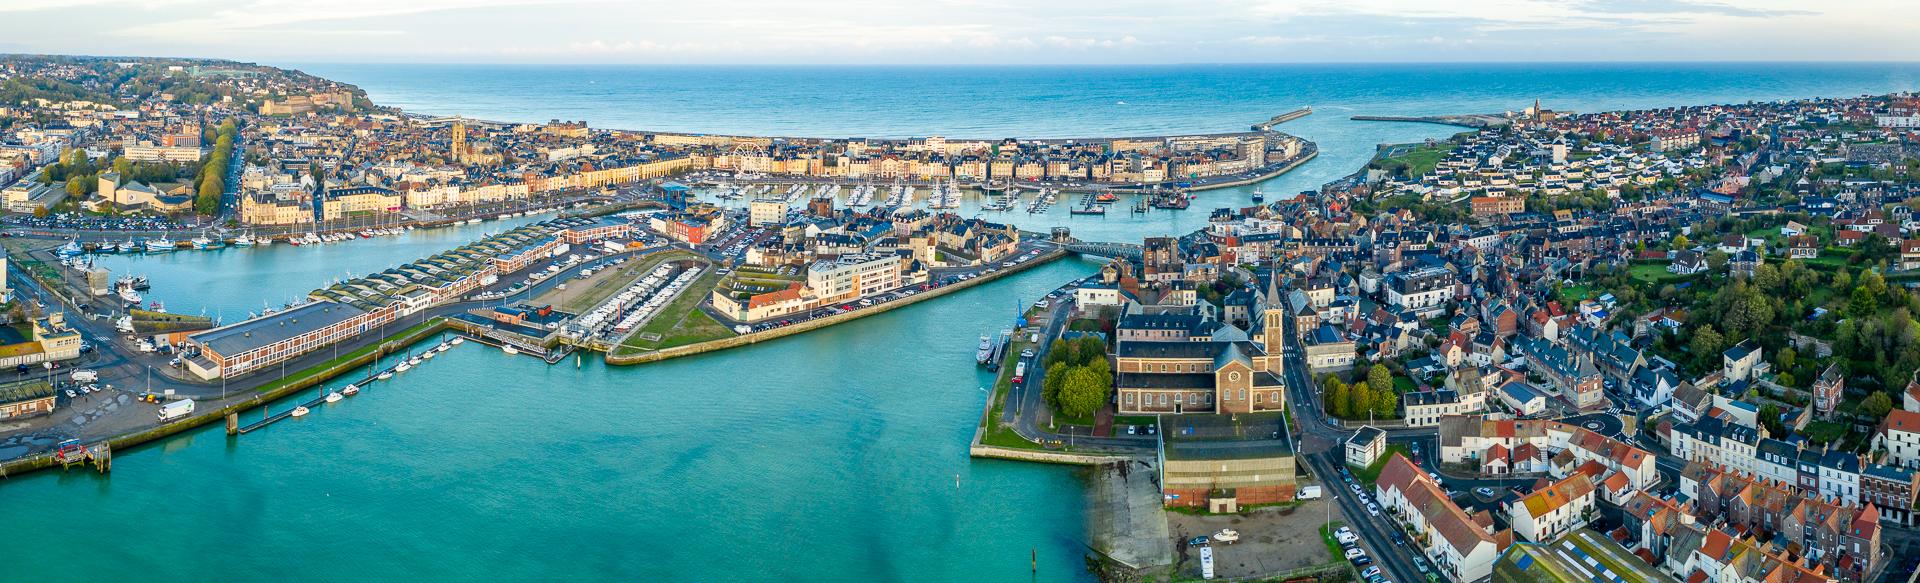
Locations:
805 424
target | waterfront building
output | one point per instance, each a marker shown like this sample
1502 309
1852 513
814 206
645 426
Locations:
48 339
26 399
1220 462
850 277
1211 366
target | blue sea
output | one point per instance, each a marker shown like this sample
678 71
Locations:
837 455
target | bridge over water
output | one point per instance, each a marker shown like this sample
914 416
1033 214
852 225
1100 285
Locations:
1095 248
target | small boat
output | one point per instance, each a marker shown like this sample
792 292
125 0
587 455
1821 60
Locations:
985 352
128 295
509 349
457 340
300 411
334 397
351 390
244 240
404 366
384 375
443 347
429 353
139 283
415 361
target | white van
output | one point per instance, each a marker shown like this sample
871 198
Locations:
1206 563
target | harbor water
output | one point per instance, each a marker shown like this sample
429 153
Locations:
836 455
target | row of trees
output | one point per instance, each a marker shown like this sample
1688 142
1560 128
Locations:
213 173
1079 379
1373 396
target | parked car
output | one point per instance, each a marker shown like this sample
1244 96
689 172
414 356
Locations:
1484 492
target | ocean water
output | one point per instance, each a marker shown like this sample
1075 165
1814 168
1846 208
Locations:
834 455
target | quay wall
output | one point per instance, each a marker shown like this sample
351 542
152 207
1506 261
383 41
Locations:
815 324
313 376
1261 178
1045 457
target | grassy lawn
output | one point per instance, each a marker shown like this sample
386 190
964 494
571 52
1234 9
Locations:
999 434
1573 294
1420 159
681 322
1404 385
1652 273
1368 474
1333 545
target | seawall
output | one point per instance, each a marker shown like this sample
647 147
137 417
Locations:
815 324
308 378
1315 153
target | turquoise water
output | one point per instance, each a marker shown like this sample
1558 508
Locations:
827 456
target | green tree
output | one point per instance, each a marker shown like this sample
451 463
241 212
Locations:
1058 352
1333 395
1385 402
1876 405
1379 379
1862 304
1359 400
1679 242
1706 346
1050 387
1084 393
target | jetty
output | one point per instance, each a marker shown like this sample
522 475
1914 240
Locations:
1476 120
1282 118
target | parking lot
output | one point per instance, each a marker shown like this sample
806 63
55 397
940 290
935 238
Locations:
1272 540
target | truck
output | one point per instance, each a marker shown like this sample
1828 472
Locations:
1308 493
1020 373
175 410
1206 563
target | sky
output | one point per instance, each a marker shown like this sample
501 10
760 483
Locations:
1023 32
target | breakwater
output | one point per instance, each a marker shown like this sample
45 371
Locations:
1282 118
1476 121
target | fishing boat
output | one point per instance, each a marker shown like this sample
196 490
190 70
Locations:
1259 195
244 240
200 242
132 297
139 282
986 350
70 249
334 397
351 390
300 411
160 244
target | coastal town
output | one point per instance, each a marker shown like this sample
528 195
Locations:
1659 345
